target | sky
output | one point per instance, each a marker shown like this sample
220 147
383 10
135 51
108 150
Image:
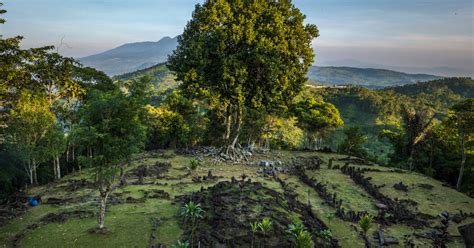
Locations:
397 33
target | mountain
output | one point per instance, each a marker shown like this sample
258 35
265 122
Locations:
369 77
372 78
442 71
131 57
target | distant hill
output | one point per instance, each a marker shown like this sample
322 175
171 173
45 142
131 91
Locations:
161 77
144 55
131 57
369 77
374 110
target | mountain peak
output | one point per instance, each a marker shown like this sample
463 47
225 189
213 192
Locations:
132 56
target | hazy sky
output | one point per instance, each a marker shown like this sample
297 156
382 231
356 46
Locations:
416 33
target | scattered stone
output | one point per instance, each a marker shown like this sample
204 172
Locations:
400 186
467 233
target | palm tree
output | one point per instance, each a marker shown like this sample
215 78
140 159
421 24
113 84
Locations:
192 211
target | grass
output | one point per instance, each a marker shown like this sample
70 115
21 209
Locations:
432 202
131 225
354 198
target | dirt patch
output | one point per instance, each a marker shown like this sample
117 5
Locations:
75 185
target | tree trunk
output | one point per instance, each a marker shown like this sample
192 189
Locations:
55 170
58 167
238 125
228 124
463 160
35 177
103 203
30 172
73 155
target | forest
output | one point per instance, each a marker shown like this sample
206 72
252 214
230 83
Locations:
230 131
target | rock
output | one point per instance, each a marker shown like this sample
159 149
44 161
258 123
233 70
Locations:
400 186
381 206
467 233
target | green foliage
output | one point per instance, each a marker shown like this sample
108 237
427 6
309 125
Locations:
330 217
300 236
326 234
365 223
262 49
354 142
254 227
265 225
181 244
161 78
175 123
194 164
30 126
461 119
192 211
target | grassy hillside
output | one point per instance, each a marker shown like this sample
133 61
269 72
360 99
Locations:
147 213
161 77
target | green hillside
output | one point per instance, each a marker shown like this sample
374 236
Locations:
161 77
145 213
369 77
318 75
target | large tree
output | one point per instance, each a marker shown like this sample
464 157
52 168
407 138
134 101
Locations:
30 125
461 118
114 130
244 54
316 117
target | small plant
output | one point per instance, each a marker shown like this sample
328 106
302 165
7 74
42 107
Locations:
295 228
304 240
265 225
329 216
326 234
192 211
181 244
194 164
300 235
254 229
365 223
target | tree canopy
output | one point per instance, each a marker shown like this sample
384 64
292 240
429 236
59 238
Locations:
238 54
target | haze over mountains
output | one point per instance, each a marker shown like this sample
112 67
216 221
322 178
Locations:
141 55
132 56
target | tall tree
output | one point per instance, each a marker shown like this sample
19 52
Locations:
316 117
354 142
461 118
115 132
29 125
239 54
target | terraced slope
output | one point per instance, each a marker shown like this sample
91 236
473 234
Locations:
145 211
